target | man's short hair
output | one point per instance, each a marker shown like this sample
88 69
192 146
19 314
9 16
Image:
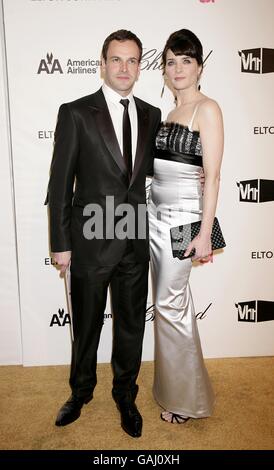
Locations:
121 35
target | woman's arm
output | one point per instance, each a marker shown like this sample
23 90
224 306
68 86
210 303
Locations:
210 123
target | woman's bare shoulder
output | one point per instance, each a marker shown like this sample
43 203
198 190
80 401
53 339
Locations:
209 106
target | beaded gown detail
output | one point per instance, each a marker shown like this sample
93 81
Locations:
181 382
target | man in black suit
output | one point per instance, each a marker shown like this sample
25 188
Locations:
103 150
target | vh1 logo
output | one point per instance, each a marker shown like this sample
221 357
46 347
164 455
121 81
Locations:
260 60
256 190
255 311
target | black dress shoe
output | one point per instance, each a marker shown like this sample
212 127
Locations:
71 410
131 420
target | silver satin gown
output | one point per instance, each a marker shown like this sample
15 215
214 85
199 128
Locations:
181 382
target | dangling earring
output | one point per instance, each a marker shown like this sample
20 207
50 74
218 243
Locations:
163 88
198 81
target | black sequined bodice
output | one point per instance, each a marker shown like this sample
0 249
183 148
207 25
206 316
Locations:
177 142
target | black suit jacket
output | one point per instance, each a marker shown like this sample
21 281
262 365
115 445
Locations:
87 166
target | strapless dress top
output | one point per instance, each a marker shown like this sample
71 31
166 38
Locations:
176 142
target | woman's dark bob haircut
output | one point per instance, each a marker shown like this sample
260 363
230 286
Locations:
184 42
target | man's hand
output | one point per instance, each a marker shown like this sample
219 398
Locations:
62 259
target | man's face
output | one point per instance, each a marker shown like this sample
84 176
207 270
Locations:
122 67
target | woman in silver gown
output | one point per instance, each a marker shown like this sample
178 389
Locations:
190 139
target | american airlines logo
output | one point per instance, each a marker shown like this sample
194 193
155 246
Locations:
75 66
60 319
258 190
49 65
260 60
255 311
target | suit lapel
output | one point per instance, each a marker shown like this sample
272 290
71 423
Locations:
106 129
142 116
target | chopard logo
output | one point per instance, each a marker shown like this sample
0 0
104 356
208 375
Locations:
150 313
201 315
152 59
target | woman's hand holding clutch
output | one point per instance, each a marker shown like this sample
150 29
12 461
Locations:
203 249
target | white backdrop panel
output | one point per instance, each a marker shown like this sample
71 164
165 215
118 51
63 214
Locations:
55 32
10 331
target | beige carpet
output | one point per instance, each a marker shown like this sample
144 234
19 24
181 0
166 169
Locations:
243 417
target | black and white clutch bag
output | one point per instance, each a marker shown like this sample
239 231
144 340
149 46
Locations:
182 235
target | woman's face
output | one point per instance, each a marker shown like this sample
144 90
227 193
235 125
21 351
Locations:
182 71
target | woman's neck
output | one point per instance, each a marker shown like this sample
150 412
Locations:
184 97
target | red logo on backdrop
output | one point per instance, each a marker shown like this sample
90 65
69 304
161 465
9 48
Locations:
207 1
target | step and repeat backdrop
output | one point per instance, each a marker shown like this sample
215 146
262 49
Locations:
50 54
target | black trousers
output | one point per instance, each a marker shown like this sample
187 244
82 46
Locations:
129 284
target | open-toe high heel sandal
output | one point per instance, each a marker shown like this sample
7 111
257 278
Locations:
175 418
